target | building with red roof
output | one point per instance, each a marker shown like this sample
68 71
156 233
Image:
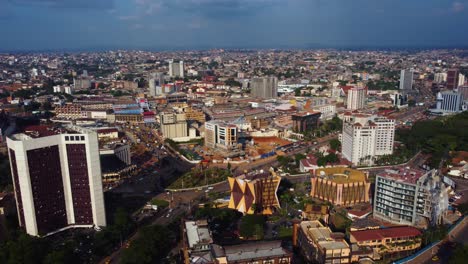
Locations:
388 240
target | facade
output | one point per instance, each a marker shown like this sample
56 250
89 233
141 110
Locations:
71 111
176 69
57 180
440 77
364 137
198 236
173 125
461 80
356 98
448 102
388 240
319 245
129 118
452 79
254 192
156 82
340 186
264 87
303 122
406 80
404 196
219 134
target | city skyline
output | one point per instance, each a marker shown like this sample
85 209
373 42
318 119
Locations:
31 25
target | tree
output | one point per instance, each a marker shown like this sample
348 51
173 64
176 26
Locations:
152 245
335 144
298 157
460 255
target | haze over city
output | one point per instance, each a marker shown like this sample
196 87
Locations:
35 25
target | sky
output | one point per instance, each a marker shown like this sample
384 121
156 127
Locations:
205 24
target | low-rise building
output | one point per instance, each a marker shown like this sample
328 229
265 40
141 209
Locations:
319 244
340 186
254 192
388 240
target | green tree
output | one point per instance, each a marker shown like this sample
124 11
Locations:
335 144
459 255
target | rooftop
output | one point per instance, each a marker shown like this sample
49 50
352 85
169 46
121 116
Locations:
341 174
254 250
380 234
322 235
197 233
401 173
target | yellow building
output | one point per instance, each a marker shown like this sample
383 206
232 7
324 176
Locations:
340 186
320 245
254 193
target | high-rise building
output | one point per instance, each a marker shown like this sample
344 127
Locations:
156 83
452 79
448 102
173 125
461 80
463 90
255 192
220 134
365 137
402 195
406 80
303 122
176 69
356 98
57 179
264 87
440 77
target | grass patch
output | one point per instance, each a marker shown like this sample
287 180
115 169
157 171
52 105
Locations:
200 177
285 232
160 203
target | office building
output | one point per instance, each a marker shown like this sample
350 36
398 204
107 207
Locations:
318 244
448 102
409 196
156 83
176 69
57 179
452 79
390 240
254 192
365 137
303 122
220 134
173 125
264 87
463 90
440 77
356 98
406 80
340 186
461 80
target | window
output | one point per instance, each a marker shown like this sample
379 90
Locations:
67 138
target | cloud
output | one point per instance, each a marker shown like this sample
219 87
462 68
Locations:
458 7
67 4
125 18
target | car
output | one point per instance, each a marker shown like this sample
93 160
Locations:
168 215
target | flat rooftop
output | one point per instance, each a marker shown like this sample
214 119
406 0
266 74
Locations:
404 174
197 233
341 175
322 235
255 250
